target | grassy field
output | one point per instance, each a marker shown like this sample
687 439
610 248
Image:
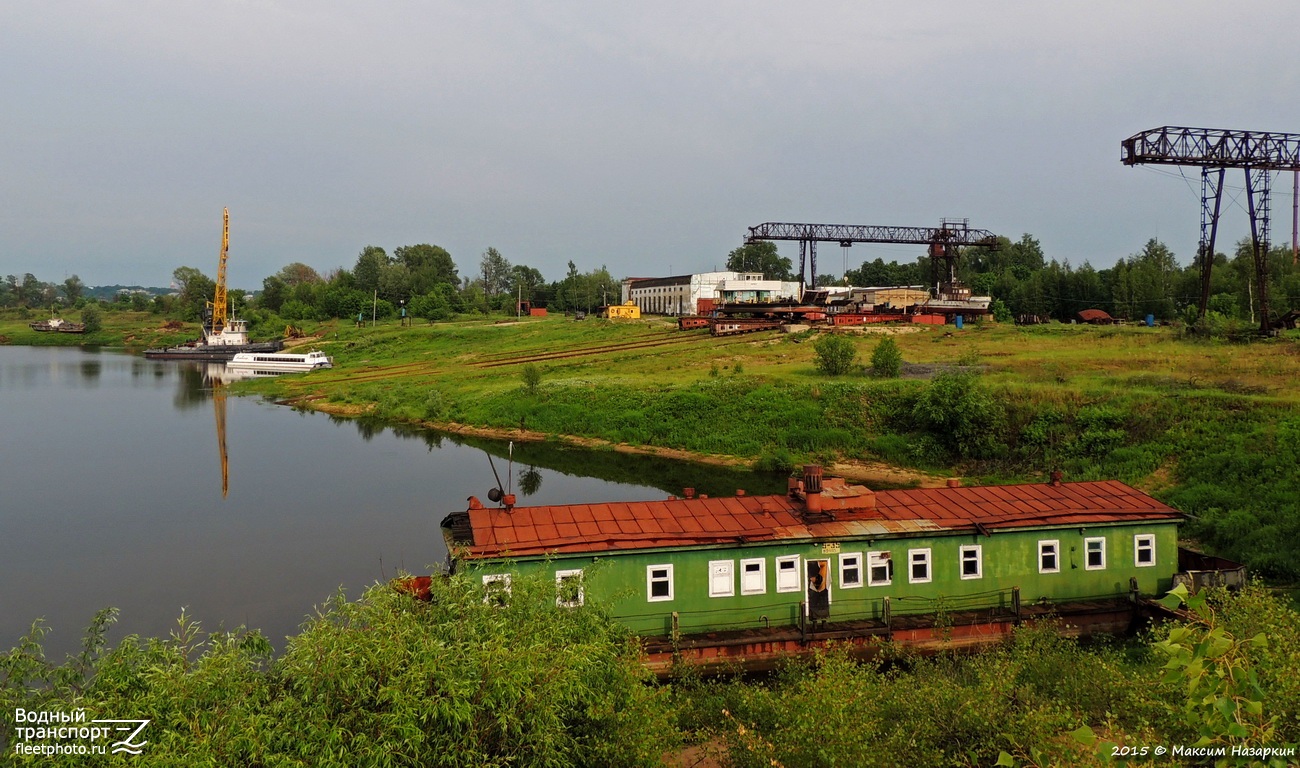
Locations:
1210 427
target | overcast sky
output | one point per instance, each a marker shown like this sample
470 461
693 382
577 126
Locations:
644 137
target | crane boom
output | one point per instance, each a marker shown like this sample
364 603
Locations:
220 310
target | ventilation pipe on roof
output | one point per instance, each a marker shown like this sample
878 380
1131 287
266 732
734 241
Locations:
812 478
813 502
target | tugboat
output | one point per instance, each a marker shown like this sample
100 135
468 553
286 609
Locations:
218 346
223 336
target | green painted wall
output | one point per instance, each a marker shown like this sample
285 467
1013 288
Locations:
1009 559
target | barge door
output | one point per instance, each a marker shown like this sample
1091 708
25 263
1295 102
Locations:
819 593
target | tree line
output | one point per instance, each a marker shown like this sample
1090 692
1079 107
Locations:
1022 281
426 282
423 280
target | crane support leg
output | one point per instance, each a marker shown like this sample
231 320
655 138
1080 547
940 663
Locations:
1257 189
1211 186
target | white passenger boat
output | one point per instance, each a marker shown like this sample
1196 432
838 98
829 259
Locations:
266 362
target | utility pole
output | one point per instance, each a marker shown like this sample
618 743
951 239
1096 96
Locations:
374 308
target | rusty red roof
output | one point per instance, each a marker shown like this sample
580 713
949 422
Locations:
849 511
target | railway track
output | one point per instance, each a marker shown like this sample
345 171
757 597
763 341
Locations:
564 354
542 350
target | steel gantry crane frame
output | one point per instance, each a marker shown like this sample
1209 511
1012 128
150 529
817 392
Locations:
942 240
1258 153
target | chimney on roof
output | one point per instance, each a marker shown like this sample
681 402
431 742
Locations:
740 491
954 482
1056 477
812 478
688 493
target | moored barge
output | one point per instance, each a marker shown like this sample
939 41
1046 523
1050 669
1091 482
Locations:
748 580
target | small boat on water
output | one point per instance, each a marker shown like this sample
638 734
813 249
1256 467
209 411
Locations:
264 363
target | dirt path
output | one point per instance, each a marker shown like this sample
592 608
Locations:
850 469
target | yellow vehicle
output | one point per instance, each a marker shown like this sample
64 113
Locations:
628 311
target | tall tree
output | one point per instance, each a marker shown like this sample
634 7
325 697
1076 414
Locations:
761 256
370 263
524 281
298 273
495 271
428 266
196 289
30 291
72 288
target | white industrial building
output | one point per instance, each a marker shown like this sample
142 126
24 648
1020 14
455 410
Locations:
698 294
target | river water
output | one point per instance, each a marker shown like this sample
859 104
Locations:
111 495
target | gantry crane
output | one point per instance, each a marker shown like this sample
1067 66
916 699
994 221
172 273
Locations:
1258 153
942 241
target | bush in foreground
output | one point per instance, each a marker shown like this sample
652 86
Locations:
384 680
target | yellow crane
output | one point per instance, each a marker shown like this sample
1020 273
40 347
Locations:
218 309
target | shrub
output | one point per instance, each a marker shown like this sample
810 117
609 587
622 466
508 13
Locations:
961 414
92 318
887 360
834 354
531 375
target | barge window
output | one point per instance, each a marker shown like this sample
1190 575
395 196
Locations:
1095 553
1144 550
919 559
880 569
496 588
753 576
850 570
722 581
787 574
972 562
1049 556
568 588
659 583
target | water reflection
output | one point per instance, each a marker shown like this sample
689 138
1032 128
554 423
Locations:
530 480
312 504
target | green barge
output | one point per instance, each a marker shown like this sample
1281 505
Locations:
749 579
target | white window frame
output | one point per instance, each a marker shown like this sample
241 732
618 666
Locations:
851 560
718 569
560 576
1087 553
878 559
791 581
651 580
490 588
1143 541
912 563
1055 544
747 583
978 551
